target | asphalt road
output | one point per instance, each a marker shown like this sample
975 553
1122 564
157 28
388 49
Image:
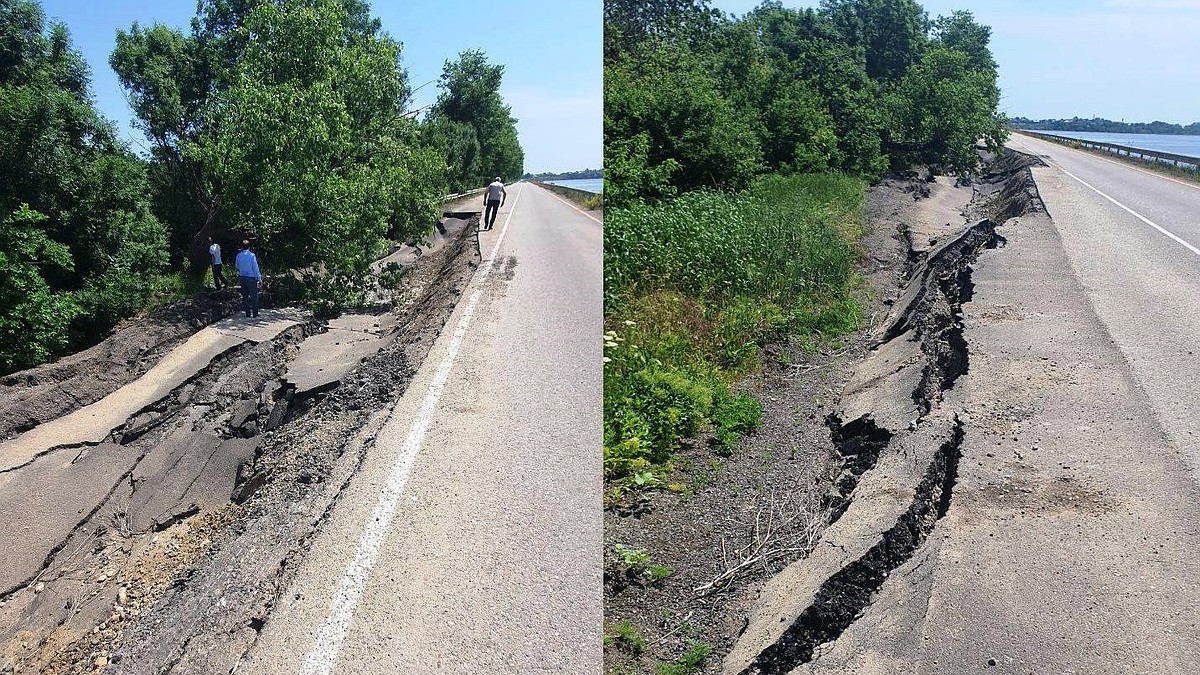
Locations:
1143 284
1070 542
470 540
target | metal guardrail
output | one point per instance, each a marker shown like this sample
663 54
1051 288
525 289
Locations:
468 193
1125 150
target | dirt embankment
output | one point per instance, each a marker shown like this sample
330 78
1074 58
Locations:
830 420
209 495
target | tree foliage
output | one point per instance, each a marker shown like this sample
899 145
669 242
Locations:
856 86
81 247
473 125
287 121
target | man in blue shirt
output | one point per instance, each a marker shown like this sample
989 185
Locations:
249 277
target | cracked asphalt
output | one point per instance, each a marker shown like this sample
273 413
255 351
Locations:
1069 546
492 560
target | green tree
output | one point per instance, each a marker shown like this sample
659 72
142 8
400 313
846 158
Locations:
800 132
669 95
940 109
312 148
68 183
33 326
473 125
629 174
960 31
891 33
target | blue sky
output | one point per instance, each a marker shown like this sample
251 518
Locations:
551 51
1137 60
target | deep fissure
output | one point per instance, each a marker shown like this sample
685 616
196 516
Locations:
934 318
841 599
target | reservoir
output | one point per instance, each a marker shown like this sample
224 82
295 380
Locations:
587 184
1179 145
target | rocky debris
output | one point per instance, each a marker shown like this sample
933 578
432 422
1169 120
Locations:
325 359
185 474
301 468
228 475
78 566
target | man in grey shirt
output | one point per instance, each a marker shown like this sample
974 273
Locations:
492 201
214 255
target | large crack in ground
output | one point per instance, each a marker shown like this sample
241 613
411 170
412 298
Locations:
842 598
129 566
930 315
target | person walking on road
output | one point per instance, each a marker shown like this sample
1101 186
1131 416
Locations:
492 202
214 256
249 277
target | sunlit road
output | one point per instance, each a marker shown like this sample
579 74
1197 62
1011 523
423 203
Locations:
470 541
1133 241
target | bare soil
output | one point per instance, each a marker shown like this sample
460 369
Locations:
730 523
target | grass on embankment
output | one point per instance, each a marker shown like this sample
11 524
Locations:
694 287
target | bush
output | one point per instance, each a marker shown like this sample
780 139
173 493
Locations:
695 286
33 326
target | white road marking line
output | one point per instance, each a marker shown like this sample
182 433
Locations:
1135 214
1126 165
332 631
551 193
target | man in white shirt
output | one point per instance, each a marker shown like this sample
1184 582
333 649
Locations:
214 255
249 277
492 201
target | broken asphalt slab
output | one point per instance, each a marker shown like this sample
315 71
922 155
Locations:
187 473
324 359
43 503
93 423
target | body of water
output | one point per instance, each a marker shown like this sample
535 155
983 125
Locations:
1179 145
588 184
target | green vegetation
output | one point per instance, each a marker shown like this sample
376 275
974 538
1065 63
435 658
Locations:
1101 125
285 121
637 562
625 636
695 285
79 247
594 202
473 126
690 662
696 99
737 151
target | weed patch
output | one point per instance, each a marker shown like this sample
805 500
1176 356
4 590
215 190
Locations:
690 662
695 287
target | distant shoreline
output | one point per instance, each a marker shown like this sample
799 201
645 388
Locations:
1104 126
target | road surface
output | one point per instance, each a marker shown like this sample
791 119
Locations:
1069 544
470 540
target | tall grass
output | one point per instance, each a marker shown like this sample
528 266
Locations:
695 286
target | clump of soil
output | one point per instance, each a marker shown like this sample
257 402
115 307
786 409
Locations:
685 565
